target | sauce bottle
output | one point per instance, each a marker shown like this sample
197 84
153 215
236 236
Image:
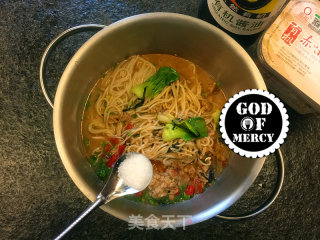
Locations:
244 20
289 54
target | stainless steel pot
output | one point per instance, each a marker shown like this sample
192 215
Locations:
170 33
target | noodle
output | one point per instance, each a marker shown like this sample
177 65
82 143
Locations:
178 99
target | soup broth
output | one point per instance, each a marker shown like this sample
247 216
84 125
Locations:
116 121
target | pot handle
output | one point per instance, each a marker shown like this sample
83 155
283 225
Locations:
51 47
272 197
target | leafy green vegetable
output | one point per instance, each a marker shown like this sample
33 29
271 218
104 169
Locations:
86 142
164 118
112 67
102 170
104 143
171 132
187 130
139 103
156 83
182 196
99 163
153 86
92 160
186 125
215 116
146 198
87 105
100 167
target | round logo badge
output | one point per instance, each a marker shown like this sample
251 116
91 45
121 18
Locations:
254 123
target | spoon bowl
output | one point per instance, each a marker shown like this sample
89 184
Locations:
115 186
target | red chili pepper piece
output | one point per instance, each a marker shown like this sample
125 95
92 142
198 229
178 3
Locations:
178 192
138 194
198 185
175 170
107 148
189 190
121 149
114 141
129 126
113 159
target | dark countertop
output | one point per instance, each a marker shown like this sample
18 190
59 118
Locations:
38 199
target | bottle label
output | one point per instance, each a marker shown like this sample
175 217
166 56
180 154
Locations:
244 17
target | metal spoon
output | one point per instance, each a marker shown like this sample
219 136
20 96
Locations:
114 188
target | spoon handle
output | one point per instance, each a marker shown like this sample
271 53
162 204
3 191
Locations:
94 205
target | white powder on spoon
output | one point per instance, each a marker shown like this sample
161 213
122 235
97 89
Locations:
136 171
